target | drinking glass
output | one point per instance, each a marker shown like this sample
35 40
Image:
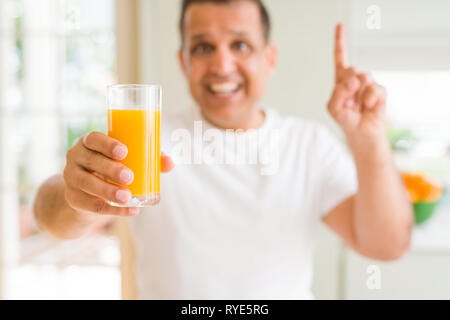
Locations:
134 119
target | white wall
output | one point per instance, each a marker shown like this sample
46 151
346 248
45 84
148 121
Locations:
414 35
303 32
159 49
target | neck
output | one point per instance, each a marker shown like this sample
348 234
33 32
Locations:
254 120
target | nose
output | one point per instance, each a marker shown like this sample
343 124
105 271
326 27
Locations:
223 62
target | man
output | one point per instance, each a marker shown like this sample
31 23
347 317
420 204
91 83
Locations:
228 231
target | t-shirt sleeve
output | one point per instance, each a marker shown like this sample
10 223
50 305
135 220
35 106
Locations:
337 179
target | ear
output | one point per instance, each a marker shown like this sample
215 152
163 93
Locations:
272 57
182 60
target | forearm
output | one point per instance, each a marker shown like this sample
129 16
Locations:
383 217
54 214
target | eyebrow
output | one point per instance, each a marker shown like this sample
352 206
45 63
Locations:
203 36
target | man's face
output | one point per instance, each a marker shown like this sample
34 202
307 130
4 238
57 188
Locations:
226 60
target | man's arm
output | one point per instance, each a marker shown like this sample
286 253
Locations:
55 215
377 222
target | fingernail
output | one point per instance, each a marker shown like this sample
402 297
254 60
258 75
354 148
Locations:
120 152
85 138
126 176
133 211
123 196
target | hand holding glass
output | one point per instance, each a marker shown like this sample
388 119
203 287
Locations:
134 119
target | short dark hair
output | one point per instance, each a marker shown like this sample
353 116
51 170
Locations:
265 17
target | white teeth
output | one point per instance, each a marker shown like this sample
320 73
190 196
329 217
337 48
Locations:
224 88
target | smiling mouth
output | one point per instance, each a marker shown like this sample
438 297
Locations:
224 89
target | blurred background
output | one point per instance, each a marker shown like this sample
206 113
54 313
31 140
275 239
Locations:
58 56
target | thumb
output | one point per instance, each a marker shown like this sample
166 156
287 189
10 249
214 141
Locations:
167 164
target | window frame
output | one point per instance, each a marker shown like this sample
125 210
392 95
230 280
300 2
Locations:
127 71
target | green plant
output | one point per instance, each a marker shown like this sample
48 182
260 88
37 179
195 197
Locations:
401 139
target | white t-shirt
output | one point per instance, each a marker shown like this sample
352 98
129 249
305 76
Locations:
234 229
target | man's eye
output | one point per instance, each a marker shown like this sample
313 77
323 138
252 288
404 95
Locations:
202 49
240 46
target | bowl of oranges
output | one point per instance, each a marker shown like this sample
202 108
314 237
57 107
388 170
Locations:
424 194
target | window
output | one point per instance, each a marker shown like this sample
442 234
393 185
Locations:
418 112
409 55
419 101
56 58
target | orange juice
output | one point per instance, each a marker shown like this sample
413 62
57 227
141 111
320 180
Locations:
139 130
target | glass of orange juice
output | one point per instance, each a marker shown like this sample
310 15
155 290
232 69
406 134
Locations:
134 119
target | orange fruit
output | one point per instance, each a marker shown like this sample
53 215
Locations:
421 188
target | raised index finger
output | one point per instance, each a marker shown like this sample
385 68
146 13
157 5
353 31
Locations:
340 50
